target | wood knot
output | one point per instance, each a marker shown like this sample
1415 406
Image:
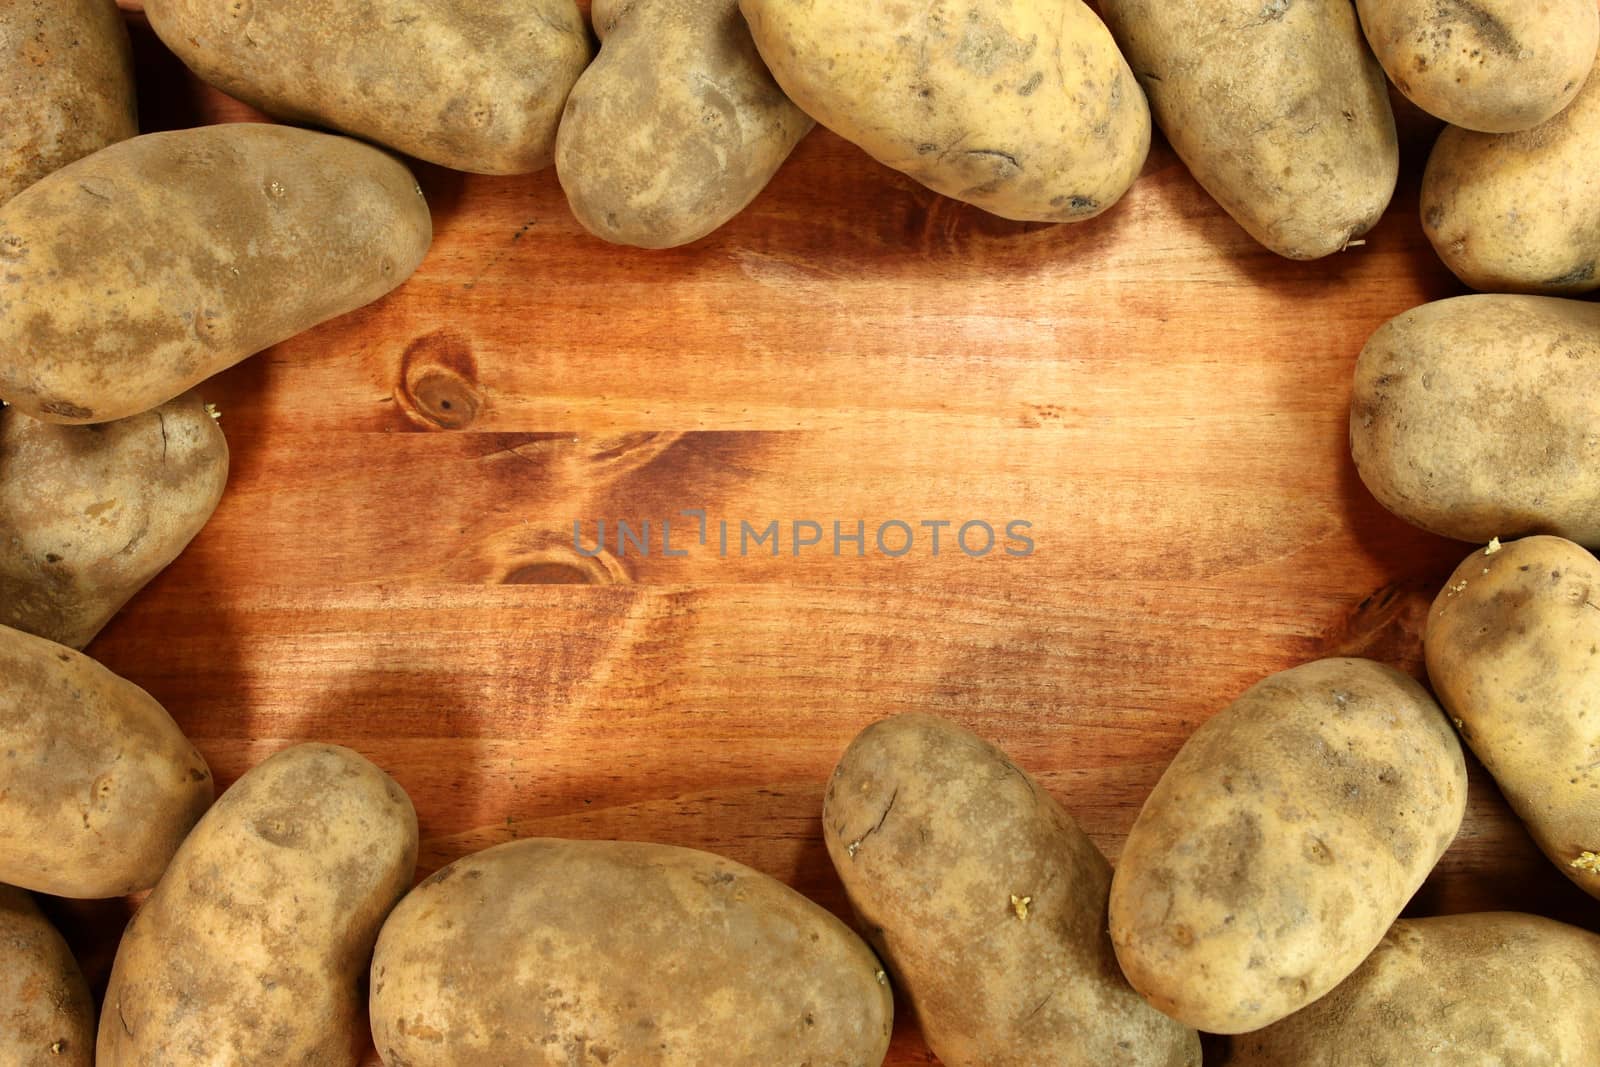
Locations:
438 388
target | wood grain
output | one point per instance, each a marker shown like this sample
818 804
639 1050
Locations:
1163 400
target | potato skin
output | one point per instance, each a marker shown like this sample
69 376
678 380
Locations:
1283 841
66 76
1513 651
1278 109
989 904
475 85
89 514
253 949
98 786
1493 989
46 1013
1520 212
547 953
132 275
1026 110
675 127
1479 417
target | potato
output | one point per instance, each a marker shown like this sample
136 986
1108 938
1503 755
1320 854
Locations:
1491 65
546 953
89 514
989 904
46 1014
1283 841
1479 417
476 86
66 76
1513 650
1026 110
1278 109
675 127
132 275
97 784
253 950
1520 212
1495 989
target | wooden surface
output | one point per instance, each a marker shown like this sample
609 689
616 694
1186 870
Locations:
1165 401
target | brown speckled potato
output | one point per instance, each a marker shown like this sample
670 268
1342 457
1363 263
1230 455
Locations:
1495 989
1520 212
1026 110
1283 841
1276 106
89 514
132 275
546 953
1513 649
677 125
1491 65
97 784
476 85
253 950
66 77
989 904
46 1013
1479 417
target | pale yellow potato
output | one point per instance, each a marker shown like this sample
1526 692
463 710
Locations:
476 85
89 514
98 786
1283 841
546 953
46 1013
675 127
1513 650
1479 417
988 903
138 272
1025 109
1276 106
253 950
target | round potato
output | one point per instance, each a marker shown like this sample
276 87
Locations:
675 127
253 950
1479 417
1278 109
1283 841
1026 110
1495 989
1513 650
97 784
89 514
989 904
1492 65
66 76
1520 212
132 275
546 953
46 1014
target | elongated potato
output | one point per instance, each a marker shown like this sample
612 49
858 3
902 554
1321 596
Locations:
1283 841
1276 106
546 953
1496 989
89 514
1026 110
476 85
97 785
1513 649
46 1013
677 125
132 275
989 904
1520 212
253 949
66 76
1479 417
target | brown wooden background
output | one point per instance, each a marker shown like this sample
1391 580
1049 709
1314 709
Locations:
1164 400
